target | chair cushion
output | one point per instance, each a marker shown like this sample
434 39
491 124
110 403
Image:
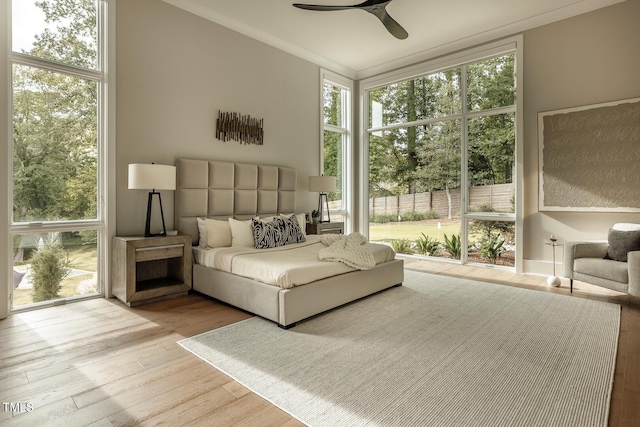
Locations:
603 268
621 243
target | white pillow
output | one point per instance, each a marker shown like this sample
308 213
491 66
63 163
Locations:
241 233
302 221
202 231
218 233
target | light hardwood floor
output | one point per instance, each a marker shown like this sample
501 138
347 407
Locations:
100 363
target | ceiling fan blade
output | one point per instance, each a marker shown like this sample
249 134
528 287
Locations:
374 7
392 26
320 7
369 3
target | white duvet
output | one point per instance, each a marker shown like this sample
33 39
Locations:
285 266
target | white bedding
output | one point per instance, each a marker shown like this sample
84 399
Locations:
285 266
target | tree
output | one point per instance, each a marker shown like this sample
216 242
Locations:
74 40
428 157
431 96
381 170
49 265
491 149
491 84
440 157
332 145
55 120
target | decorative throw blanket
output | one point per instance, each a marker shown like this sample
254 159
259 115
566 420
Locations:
347 250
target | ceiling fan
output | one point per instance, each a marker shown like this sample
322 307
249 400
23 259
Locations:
374 7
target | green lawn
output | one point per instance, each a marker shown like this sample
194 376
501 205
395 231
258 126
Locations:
83 257
412 229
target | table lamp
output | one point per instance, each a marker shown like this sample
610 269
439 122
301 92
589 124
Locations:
323 185
152 177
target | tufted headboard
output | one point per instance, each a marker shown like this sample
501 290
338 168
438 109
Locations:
221 190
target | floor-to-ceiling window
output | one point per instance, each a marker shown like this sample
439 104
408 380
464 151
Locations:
336 142
58 150
440 157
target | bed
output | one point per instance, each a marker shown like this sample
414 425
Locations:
221 190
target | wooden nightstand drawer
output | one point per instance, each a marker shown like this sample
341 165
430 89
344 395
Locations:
326 228
159 252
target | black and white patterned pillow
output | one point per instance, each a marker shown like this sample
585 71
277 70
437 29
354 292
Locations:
267 234
279 232
291 231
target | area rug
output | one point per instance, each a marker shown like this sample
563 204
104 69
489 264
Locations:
438 351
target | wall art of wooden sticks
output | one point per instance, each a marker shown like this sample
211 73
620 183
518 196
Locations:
241 128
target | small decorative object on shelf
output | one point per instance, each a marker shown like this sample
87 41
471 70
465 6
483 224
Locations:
553 280
315 216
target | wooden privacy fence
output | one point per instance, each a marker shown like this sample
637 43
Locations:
498 197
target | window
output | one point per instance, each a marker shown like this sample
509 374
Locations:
439 156
336 142
58 149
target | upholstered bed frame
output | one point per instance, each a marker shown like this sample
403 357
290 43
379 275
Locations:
222 190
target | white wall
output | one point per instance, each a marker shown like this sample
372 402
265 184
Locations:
175 71
588 59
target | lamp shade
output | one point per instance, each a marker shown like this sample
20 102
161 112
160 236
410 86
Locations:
152 177
322 184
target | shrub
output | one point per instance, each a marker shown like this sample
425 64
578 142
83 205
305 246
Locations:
407 216
453 245
412 216
427 245
492 247
487 227
49 265
418 216
383 218
431 215
402 246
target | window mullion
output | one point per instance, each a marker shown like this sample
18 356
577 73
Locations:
336 129
491 112
464 172
420 122
57 67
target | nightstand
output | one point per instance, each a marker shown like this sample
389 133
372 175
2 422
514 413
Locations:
149 269
325 228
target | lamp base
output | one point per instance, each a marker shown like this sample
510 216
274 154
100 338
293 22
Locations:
147 226
321 209
554 281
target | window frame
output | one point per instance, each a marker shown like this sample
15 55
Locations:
104 223
346 132
512 45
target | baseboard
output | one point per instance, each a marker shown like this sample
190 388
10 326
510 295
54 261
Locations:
540 267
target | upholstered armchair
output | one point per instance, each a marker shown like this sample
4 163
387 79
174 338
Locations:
612 264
